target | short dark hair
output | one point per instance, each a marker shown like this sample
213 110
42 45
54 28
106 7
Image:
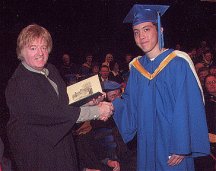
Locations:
104 66
112 64
212 67
203 69
207 51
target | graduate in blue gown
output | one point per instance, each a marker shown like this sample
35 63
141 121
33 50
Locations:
163 101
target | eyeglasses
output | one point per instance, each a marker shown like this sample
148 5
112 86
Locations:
211 82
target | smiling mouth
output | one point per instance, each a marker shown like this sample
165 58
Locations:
143 43
39 59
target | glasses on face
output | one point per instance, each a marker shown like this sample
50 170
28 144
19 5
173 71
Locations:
211 82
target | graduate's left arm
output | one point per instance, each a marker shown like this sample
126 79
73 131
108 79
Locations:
189 134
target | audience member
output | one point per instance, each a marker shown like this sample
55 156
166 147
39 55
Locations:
212 70
95 68
210 84
126 157
108 59
208 59
203 47
202 73
108 135
104 73
115 74
69 70
198 66
193 54
124 67
208 163
178 46
91 154
86 67
125 80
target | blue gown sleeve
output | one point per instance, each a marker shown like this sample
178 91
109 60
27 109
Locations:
125 110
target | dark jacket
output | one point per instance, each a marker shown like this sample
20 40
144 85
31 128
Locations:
39 128
211 113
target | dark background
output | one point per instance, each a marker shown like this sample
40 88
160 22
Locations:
78 26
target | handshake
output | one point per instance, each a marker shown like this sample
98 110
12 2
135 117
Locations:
96 109
105 108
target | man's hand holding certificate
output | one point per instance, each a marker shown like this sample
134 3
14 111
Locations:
89 96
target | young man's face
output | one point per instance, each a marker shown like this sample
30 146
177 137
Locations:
146 36
35 54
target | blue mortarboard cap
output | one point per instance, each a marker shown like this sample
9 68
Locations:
147 13
110 85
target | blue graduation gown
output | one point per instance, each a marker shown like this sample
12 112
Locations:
167 113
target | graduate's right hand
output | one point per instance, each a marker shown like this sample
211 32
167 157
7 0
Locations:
175 159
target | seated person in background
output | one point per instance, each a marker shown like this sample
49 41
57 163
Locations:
208 163
193 55
104 73
212 70
208 59
178 46
115 74
86 67
95 68
125 80
108 135
198 66
126 156
69 70
210 84
202 73
203 47
108 59
112 90
92 155
124 67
